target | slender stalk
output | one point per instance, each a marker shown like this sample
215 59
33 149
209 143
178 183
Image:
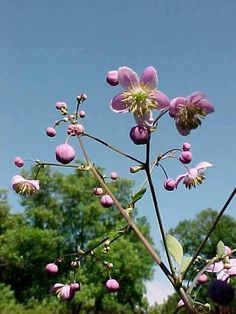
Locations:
138 233
155 203
210 230
113 148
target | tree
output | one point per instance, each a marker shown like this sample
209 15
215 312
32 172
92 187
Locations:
61 218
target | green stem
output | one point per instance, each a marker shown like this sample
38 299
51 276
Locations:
210 230
155 203
138 233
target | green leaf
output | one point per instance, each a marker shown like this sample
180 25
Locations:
137 196
220 248
175 248
184 264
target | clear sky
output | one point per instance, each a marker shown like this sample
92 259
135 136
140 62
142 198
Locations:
54 50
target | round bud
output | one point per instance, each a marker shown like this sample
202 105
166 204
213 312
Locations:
60 105
113 175
51 269
75 129
186 147
202 279
75 264
51 132
82 114
112 78
112 285
98 191
106 201
65 153
109 265
139 135
19 162
169 184
75 286
221 292
185 157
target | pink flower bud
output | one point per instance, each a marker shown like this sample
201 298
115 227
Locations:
51 269
185 157
186 147
139 135
106 201
82 114
65 153
202 279
180 303
112 78
51 131
75 129
75 286
169 184
113 175
112 285
98 191
60 105
19 162
109 265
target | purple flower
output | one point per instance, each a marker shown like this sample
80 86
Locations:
228 271
23 186
188 111
140 95
194 176
64 292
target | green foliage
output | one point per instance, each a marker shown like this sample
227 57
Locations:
61 218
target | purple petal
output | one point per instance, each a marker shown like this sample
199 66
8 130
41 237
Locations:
127 77
215 267
203 165
149 77
206 106
223 275
192 174
118 105
162 100
195 97
16 179
176 104
145 121
232 271
179 179
35 183
232 262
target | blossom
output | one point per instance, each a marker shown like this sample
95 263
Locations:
63 291
188 111
112 285
228 271
194 176
23 186
140 95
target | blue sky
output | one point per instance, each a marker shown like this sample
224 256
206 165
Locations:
55 50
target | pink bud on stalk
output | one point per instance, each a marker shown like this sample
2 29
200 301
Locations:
82 114
19 162
139 135
113 175
112 285
51 269
98 191
106 201
75 129
186 147
185 157
65 153
169 184
202 279
75 286
51 132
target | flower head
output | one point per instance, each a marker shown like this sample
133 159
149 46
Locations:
23 186
140 95
194 176
188 111
64 291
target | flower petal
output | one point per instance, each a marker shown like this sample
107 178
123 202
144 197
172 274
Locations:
195 97
179 179
118 105
127 77
149 77
176 104
145 121
206 106
35 183
162 100
215 267
16 179
203 165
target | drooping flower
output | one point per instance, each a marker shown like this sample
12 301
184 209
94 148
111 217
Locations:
23 186
140 95
64 291
194 176
188 111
